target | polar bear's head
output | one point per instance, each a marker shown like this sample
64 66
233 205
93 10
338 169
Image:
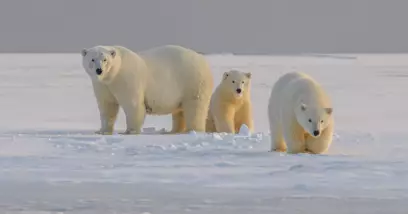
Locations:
236 82
312 118
99 62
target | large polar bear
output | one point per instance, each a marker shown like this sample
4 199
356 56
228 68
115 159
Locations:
300 115
164 80
230 105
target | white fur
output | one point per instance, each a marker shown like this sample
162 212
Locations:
295 99
229 110
163 80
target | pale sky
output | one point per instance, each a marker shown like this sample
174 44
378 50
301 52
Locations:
209 26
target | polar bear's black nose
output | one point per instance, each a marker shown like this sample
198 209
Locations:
239 90
316 133
99 71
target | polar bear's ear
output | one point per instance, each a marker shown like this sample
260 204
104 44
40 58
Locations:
84 52
225 75
329 110
303 107
112 53
248 75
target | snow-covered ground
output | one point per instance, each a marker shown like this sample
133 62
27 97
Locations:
51 162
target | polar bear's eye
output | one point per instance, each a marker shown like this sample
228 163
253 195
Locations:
242 82
93 60
321 121
233 81
310 120
104 60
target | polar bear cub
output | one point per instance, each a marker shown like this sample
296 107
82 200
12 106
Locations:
163 80
230 105
300 115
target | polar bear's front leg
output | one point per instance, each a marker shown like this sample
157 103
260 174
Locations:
224 122
321 144
225 125
108 108
195 113
135 116
294 137
277 142
108 112
179 123
244 116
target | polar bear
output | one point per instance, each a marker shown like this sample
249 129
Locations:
163 80
300 115
230 105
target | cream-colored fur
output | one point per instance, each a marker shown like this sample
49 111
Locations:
229 109
298 107
163 80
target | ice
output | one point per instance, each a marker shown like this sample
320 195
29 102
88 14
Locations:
52 162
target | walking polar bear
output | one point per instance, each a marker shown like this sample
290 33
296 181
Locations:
300 115
163 80
230 105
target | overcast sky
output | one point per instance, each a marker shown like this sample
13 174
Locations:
238 26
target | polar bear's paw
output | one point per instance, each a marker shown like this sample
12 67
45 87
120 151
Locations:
102 132
130 132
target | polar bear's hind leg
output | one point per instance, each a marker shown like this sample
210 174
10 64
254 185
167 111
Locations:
179 123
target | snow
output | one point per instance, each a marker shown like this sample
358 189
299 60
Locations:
51 162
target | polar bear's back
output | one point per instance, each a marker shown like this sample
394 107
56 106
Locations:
182 67
293 86
174 59
175 74
285 87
